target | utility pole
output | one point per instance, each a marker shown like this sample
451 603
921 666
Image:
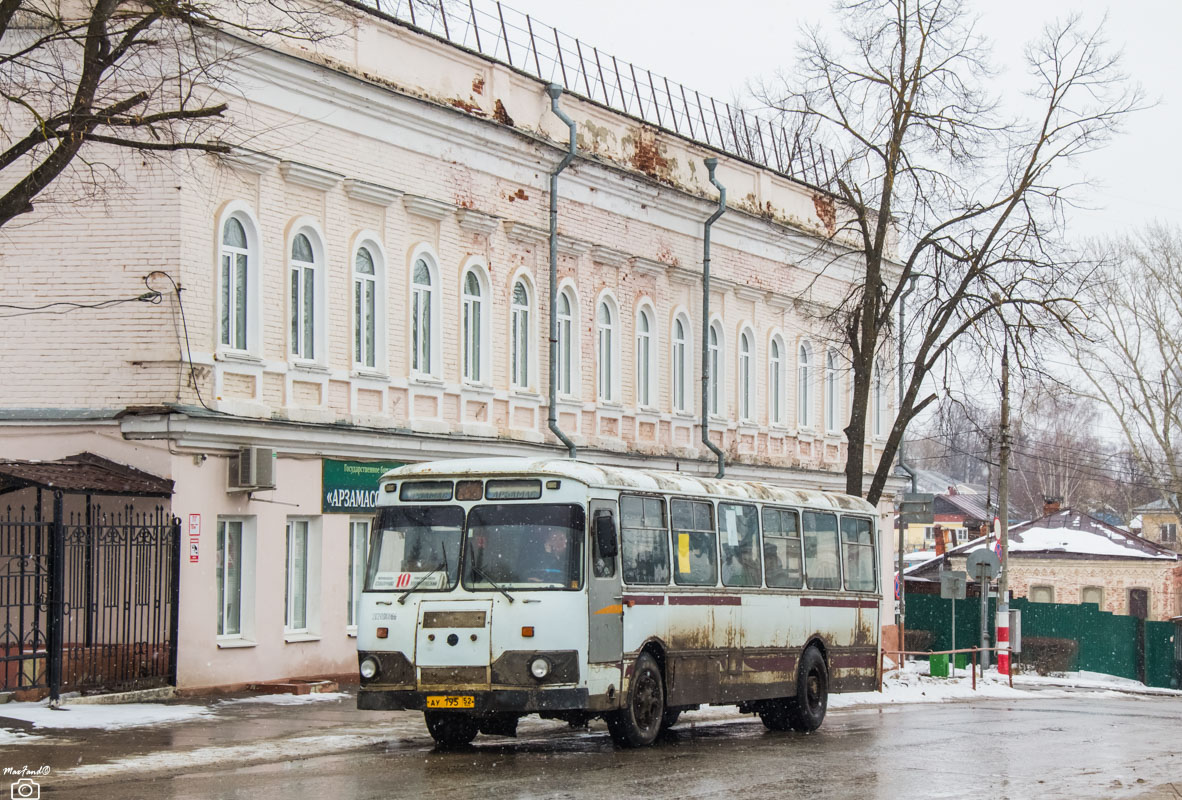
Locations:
1003 512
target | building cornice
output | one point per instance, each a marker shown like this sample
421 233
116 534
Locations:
308 175
426 207
371 192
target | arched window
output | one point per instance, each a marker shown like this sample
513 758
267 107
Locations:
519 346
714 360
776 382
680 364
831 391
880 399
566 327
422 309
605 355
365 308
803 391
303 298
746 387
472 322
235 267
644 358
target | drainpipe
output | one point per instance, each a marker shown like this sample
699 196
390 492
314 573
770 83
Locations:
711 163
900 618
555 91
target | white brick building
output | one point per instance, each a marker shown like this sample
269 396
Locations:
366 277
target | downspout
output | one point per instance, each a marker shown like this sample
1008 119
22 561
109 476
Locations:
901 617
711 163
555 91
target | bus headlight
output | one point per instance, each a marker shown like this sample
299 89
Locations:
539 668
369 668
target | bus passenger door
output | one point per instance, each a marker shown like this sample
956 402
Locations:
604 598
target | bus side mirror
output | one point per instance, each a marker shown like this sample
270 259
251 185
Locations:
605 535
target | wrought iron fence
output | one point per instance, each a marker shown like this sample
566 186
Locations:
513 38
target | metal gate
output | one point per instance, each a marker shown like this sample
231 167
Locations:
88 599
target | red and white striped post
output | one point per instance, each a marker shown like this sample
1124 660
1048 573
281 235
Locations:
1003 642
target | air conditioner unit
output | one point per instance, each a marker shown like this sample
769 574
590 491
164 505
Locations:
252 468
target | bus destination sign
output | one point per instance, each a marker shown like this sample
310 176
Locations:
350 487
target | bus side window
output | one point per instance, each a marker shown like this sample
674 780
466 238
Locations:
822 561
781 549
644 540
604 566
738 533
857 541
694 557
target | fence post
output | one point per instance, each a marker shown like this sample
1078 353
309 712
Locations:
57 579
174 600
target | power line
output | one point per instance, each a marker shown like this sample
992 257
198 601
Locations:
67 306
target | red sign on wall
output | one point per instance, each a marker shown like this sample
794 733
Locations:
194 537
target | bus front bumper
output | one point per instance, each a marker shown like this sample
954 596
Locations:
525 701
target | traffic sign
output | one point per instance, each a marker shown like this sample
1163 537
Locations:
952 585
916 509
983 563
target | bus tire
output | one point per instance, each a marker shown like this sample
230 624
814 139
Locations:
638 723
774 714
806 711
670 717
451 729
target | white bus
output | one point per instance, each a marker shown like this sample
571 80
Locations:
498 588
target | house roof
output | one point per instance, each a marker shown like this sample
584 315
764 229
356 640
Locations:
971 505
84 473
1156 505
932 482
1064 534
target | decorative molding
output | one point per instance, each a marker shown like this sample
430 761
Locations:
744 292
248 160
371 192
426 207
525 234
647 267
721 285
571 247
307 175
780 301
476 222
607 257
683 276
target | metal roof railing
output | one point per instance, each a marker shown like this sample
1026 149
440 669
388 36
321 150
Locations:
516 39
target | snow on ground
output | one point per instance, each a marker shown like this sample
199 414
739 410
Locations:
105 717
14 737
286 699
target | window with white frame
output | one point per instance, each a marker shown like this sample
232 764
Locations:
644 358
831 378
746 384
714 360
520 344
606 351
295 618
365 308
473 334
680 364
1169 532
303 298
235 577
880 400
235 259
358 549
422 312
566 328
804 398
776 382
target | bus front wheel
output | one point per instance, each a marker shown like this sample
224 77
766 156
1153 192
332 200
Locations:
451 729
638 723
806 711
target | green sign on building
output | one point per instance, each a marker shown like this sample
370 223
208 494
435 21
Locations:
351 486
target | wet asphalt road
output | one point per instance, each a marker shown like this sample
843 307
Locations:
1055 748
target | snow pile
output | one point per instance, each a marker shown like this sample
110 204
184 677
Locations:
99 717
286 699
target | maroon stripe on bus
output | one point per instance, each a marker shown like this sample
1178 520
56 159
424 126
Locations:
705 600
837 603
644 600
853 661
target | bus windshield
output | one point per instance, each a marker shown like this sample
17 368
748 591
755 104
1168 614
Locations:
524 547
416 547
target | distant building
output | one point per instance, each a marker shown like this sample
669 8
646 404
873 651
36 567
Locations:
1159 523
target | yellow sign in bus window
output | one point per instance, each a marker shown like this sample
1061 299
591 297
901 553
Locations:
683 560
451 701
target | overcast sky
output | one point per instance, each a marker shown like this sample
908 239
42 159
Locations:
719 47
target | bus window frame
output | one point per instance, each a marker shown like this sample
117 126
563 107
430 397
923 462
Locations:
796 512
758 540
872 547
713 505
665 500
804 549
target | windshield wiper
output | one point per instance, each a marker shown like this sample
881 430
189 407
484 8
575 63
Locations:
491 582
442 566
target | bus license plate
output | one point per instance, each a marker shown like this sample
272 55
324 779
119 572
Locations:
451 701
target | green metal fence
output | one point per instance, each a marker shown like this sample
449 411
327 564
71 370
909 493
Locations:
1103 642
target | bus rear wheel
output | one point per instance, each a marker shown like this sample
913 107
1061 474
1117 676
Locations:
638 723
451 729
806 711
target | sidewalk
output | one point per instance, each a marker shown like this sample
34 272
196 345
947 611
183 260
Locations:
105 743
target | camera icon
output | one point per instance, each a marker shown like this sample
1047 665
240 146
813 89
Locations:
26 789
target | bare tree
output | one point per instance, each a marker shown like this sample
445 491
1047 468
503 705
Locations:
975 200
1131 360
139 74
